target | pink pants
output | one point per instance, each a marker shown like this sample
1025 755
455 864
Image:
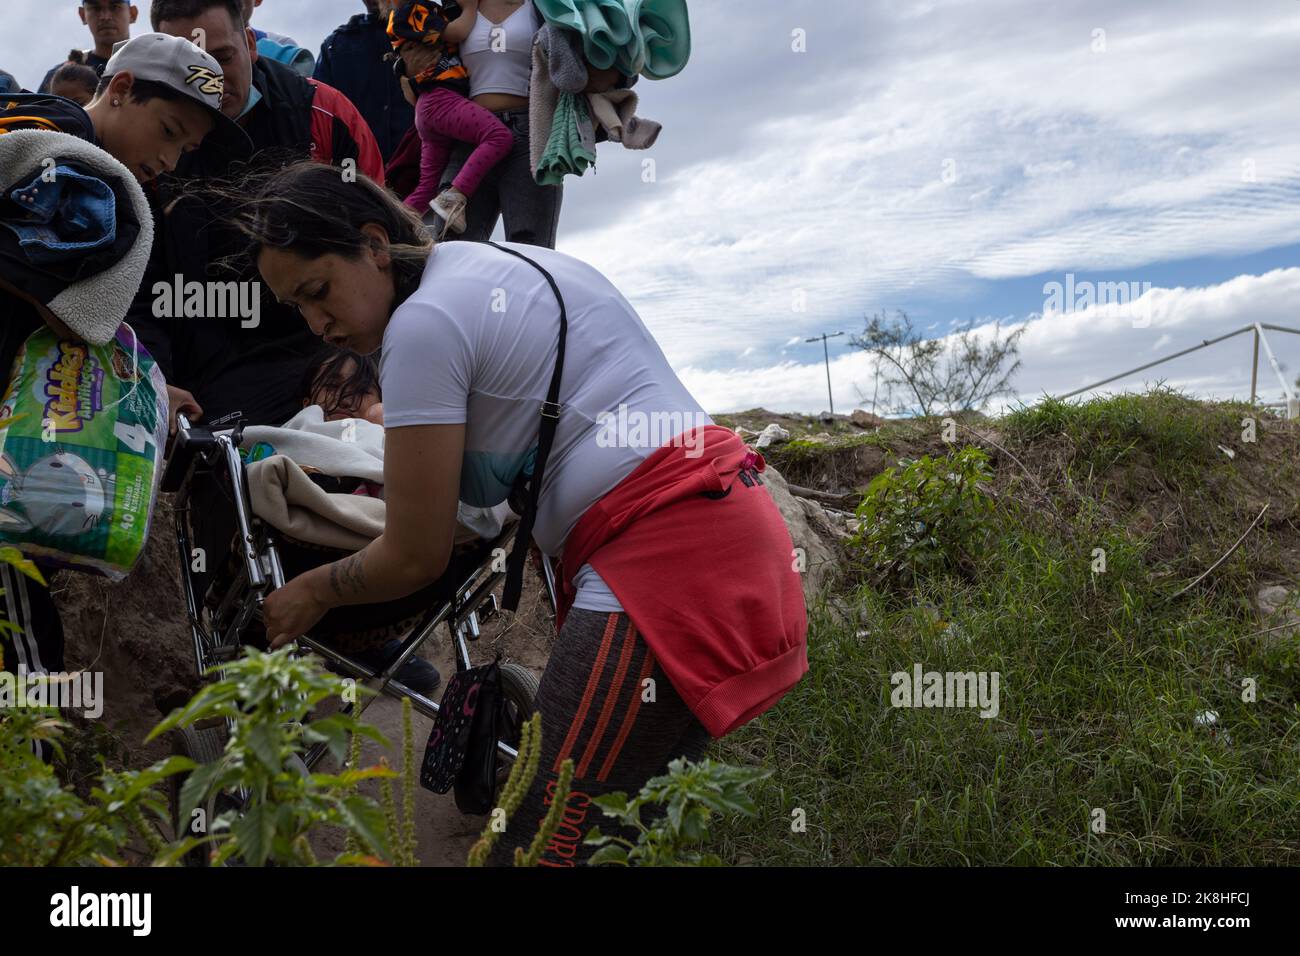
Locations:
442 116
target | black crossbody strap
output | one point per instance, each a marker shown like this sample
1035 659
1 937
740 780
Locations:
550 413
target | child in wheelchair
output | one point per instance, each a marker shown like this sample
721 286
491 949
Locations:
337 443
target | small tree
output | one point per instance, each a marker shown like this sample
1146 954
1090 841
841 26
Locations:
960 372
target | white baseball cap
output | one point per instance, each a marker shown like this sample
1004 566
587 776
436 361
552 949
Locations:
179 64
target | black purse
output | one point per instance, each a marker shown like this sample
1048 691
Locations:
476 783
472 705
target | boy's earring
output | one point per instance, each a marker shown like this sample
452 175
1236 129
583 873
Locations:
117 102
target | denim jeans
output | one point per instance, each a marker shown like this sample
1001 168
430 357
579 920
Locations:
531 212
66 217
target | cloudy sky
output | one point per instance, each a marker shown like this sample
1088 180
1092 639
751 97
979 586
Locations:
822 160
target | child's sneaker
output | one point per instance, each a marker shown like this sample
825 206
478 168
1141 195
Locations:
450 205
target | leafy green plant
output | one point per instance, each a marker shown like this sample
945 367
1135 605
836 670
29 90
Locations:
44 823
522 774
691 793
927 516
401 824
688 795
270 700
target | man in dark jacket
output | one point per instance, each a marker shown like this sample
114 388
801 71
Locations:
220 369
224 368
352 60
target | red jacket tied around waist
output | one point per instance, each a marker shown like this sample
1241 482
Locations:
697 552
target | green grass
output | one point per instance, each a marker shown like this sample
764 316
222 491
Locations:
1102 676
1179 434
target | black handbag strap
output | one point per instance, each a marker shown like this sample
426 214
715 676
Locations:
550 412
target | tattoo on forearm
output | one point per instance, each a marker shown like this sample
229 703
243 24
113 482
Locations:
347 577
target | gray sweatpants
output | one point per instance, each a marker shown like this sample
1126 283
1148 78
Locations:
531 213
607 705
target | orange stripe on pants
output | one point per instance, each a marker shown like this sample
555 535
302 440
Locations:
588 692
646 667
611 698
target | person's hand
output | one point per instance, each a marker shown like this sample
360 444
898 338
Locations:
293 610
178 401
408 91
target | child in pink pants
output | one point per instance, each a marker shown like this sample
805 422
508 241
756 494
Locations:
425 35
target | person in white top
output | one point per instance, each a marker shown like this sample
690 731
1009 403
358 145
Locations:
469 335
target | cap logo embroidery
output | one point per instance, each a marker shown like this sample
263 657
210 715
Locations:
212 82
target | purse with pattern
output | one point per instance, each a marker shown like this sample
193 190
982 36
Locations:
467 710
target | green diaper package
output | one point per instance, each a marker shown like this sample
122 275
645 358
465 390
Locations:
82 431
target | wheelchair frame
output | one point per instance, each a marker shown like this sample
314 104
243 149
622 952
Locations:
260 572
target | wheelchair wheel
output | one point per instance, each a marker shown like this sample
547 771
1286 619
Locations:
202 745
519 687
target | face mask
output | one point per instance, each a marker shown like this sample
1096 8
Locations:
254 97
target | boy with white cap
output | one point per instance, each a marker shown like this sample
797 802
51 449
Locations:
159 97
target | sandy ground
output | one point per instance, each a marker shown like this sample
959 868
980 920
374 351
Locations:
135 633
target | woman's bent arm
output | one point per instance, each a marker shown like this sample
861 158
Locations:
421 488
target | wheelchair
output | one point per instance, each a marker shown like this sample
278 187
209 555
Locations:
223 608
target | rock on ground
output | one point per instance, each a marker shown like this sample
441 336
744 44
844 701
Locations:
864 419
810 529
1277 608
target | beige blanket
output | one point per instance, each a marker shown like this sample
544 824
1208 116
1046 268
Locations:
288 500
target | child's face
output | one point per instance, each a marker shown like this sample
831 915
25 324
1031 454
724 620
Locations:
72 91
328 393
149 138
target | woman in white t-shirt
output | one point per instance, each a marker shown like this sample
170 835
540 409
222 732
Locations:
470 335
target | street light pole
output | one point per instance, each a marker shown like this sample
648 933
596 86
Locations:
827 354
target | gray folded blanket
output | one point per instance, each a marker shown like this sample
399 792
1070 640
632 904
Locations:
560 69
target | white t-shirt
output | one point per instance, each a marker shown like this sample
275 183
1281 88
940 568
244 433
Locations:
476 344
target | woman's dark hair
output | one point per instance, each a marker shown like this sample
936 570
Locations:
326 372
315 210
142 91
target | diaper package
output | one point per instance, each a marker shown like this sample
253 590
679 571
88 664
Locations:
82 432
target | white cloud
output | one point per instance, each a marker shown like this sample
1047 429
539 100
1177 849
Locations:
1065 351
1068 160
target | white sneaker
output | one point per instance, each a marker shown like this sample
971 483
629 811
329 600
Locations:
450 204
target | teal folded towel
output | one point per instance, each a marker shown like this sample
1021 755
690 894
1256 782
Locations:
649 37
566 152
